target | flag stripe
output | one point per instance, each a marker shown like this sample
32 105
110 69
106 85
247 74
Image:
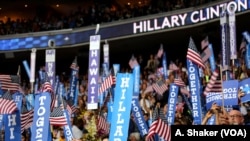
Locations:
26 119
179 82
161 128
9 82
195 58
7 106
213 85
107 83
160 87
103 124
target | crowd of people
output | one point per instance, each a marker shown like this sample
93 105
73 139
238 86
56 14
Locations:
154 105
82 16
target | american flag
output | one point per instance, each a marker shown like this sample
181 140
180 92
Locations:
26 118
132 62
179 82
70 107
160 87
46 87
107 83
74 64
194 55
102 124
160 71
214 84
8 106
185 91
9 82
161 128
160 51
172 66
57 117
149 89
243 46
206 54
204 42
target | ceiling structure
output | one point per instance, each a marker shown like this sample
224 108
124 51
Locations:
17 9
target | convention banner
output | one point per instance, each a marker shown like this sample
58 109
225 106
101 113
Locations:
227 98
121 114
56 86
194 87
12 126
247 56
172 100
232 33
224 39
246 36
67 128
244 86
136 108
1 121
93 71
106 54
110 111
30 101
18 98
164 66
40 124
211 58
50 61
73 82
116 68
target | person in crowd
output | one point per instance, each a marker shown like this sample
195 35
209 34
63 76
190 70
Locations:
145 103
135 136
132 125
235 117
105 138
61 135
76 125
23 137
160 111
152 63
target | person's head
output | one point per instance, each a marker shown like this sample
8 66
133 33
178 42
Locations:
23 136
146 116
236 117
135 136
164 106
61 132
105 138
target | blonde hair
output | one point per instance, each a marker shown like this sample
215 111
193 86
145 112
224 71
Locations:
136 135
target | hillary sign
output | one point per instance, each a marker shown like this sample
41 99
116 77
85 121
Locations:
188 18
122 102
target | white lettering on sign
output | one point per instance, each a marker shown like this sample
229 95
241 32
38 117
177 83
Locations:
188 18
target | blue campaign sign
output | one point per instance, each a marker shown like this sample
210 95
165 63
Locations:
229 95
244 86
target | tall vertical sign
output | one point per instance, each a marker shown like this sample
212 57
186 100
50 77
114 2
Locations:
93 71
50 60
106 54
120 115
232 33
32 68
224 39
